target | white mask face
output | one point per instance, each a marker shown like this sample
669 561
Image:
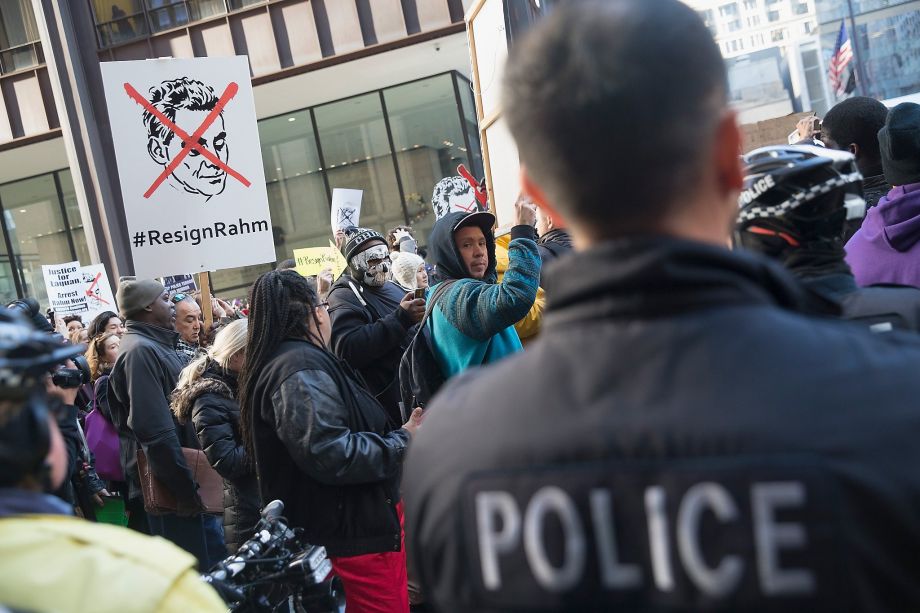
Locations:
374 275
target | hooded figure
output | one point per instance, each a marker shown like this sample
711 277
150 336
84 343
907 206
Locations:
472 323
886 247
370 327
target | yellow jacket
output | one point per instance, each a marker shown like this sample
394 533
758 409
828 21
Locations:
61 564
529 327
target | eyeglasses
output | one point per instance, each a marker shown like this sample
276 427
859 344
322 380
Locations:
177 298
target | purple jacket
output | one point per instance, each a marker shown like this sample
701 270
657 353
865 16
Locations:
886 249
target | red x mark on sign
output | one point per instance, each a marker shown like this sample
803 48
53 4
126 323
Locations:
190 142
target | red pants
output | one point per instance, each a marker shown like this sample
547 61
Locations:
375 582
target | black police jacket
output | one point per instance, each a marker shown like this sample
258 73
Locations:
881 307
323 447
682 437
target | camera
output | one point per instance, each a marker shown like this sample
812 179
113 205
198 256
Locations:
29 308
70 378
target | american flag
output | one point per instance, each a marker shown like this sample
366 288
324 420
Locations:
843 55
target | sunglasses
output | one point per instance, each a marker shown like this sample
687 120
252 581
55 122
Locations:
177 298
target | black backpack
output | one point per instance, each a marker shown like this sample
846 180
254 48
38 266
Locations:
419 374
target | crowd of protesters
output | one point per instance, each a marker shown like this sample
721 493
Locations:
680 381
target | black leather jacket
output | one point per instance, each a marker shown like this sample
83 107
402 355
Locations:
323 446
681 437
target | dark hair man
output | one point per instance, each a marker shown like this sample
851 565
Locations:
853 125
682 436
794 207
371 317
142 380
186 102
49 560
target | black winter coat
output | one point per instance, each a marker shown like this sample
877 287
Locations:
683 436
211 404
323 446
371 337
141 383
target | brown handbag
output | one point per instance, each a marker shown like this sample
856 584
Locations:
159 500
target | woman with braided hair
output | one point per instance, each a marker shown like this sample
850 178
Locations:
321 442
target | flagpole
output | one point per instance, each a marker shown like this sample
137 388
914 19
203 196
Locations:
862 76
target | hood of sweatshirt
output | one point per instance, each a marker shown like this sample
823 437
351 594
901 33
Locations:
444 254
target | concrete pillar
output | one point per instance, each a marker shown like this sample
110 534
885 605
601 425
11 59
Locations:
69 43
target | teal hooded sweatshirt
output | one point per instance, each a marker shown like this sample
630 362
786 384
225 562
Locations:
473 321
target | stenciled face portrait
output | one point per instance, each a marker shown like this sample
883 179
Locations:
195 174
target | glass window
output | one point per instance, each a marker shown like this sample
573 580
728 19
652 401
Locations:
471 125
429 142
119 20
37 230
19 47
727 10
74 219
353 140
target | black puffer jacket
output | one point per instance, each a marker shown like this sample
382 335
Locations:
211 404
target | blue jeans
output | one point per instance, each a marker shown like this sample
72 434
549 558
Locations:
201 536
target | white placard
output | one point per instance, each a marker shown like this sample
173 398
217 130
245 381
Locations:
78 290
190 164
346 208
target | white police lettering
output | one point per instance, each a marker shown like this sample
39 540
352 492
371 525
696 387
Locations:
760 186
724 578
510 527
658 538
491 542
614 574
554 500
771 536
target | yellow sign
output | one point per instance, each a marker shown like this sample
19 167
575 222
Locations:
313 260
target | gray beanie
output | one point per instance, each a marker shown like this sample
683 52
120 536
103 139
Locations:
134 296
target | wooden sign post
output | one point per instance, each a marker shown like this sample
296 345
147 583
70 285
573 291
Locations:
204 282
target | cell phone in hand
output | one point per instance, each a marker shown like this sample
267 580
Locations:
420 293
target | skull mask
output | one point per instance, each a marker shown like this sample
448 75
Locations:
374 275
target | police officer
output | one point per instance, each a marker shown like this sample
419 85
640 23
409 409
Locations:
685 435
794 208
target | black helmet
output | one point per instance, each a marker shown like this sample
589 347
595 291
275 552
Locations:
795 195
26 357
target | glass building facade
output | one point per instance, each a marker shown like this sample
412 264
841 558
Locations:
41 224
886 35
393 143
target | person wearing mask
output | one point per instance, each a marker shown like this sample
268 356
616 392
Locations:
188 326
410 272
142 380
472 321
684 435
206 395
50 560
794 207
372 317
323 444
107 321
886 248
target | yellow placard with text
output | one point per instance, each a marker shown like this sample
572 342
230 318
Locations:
313 260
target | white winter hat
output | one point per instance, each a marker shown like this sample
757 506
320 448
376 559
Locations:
404 269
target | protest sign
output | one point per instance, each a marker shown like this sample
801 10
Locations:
78 290
346 208
313 260
180 284
189 163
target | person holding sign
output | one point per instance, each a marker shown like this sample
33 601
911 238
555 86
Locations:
371 316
